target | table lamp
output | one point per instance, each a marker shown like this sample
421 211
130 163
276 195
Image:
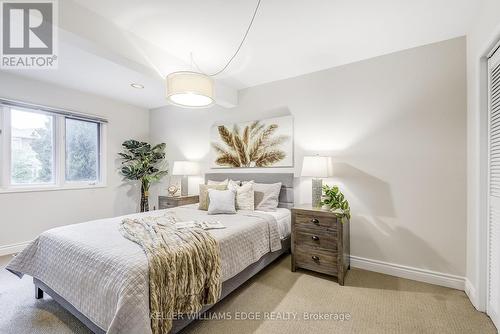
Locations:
185 169
316 167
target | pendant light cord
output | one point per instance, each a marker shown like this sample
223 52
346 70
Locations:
237 50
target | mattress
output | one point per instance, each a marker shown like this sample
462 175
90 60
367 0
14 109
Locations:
105 276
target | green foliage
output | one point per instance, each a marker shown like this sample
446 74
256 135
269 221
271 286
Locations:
22 165
33 163
336 202
42 146
143 162
81 151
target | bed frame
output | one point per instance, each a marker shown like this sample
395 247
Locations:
285 201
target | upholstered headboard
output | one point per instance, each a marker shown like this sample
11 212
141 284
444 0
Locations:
286 179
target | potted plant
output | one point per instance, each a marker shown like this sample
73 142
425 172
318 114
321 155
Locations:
145 163
335 200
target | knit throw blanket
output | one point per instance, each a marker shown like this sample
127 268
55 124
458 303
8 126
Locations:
184 267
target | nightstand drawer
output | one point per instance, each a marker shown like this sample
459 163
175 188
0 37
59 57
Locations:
167 202
318 230
326 241
315 259
316 221
171 203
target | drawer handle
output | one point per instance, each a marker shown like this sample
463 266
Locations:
315 237
315 258
315 221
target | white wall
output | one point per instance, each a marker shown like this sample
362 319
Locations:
484 33
396 127
25 215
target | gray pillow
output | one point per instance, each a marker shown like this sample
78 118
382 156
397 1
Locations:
266 196
221 201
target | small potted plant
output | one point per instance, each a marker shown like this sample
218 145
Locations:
335 201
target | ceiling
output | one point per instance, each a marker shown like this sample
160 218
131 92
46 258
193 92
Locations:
288 38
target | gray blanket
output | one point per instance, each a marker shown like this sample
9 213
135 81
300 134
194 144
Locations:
105 276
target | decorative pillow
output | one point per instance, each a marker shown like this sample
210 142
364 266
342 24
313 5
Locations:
238 182
203 205
213 183
221 201
244 195
266 196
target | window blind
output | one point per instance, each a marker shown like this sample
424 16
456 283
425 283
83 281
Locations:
495 130
51 110
493 260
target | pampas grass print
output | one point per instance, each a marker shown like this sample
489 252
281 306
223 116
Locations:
255 146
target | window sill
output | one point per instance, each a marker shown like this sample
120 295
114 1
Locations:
50 188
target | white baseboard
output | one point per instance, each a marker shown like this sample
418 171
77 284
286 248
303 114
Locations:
416 274
422 275
13 249
470 291
495 318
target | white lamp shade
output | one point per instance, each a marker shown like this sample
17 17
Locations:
185 168
190 89
316 166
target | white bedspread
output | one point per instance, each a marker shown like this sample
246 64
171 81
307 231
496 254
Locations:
284 218
105 276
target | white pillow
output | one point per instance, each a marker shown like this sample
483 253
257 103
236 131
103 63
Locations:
216 183
221 201
238 182
244 195
267 196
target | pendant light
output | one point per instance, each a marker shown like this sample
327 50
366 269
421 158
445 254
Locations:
192 89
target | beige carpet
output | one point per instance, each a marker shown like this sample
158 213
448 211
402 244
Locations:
376 303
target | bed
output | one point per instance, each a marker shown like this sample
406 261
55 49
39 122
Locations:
102 278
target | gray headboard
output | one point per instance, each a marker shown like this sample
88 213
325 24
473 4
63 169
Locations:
286 179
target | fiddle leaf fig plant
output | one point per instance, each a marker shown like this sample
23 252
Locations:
145 163
335 200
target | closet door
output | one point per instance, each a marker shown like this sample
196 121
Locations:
493 307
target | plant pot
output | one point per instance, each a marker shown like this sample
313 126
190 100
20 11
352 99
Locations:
144 199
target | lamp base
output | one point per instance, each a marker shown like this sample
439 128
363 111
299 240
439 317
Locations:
184 186
317 191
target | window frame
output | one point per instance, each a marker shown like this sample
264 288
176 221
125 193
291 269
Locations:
59 162
8 149
99 153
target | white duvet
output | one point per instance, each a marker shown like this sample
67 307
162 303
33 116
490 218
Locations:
105 276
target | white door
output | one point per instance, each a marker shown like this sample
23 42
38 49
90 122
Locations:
493 306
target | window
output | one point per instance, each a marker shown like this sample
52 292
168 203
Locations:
42 148
82 150
32 147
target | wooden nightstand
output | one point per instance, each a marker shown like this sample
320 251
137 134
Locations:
167 202
320 242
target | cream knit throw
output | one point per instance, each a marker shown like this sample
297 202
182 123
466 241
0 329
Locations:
184 267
